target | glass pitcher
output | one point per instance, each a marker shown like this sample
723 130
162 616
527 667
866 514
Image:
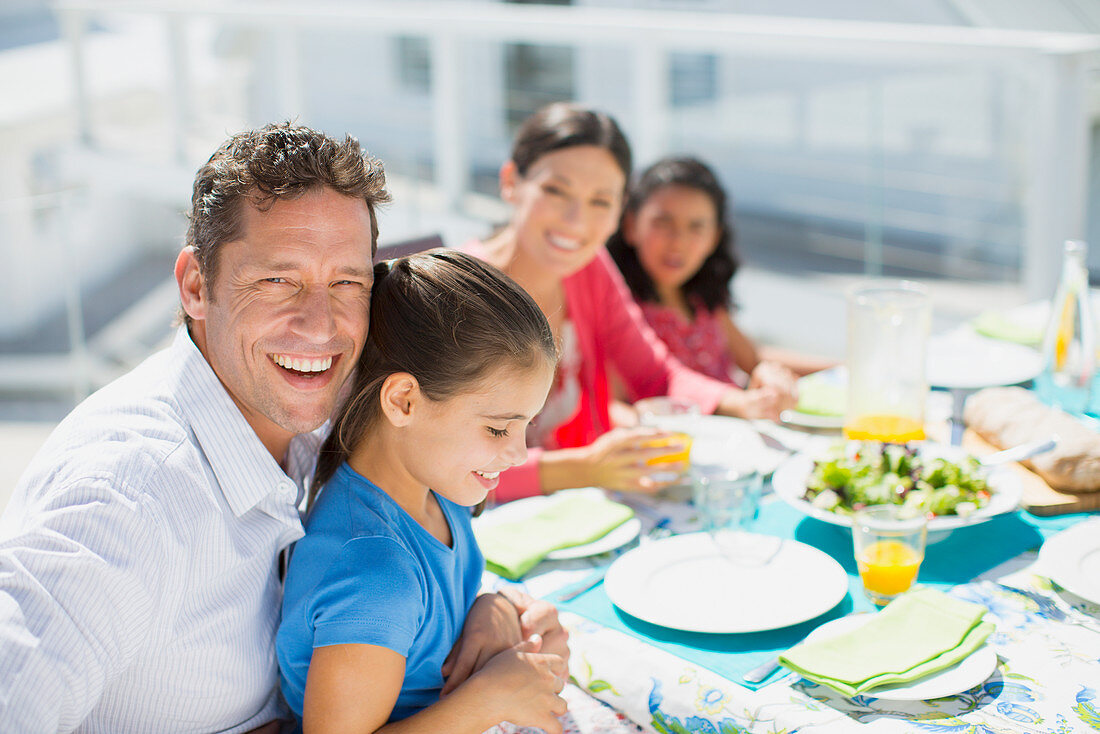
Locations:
888 328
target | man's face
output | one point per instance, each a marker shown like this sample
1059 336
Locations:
285 318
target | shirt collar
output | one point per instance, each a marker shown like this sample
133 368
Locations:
245 469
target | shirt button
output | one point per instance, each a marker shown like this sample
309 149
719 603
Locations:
287 489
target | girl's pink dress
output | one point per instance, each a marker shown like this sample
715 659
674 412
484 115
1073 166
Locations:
700 343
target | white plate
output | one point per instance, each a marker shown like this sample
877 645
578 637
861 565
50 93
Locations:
530 506
724 441
965 360
728 583
1072 559
971 671
790 478
810 420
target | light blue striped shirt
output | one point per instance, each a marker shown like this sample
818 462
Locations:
139 589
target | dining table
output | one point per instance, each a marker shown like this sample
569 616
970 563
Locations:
664 679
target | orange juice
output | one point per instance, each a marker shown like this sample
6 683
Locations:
887 568
886 428
673 439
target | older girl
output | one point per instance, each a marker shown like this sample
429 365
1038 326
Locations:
457 362
675 250
565 181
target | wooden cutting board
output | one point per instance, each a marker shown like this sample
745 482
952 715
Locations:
1039 497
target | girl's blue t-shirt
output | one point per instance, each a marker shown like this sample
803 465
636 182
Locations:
367 572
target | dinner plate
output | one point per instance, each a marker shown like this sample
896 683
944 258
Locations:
834 383
973 670
728 582
790 478
964 360
530 506
1072 559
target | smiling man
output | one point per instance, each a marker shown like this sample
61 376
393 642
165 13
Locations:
139 585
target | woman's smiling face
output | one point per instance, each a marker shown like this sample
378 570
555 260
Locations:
566 206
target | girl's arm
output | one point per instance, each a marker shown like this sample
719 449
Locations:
748 356
353 688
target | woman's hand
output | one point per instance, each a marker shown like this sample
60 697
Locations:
775 375
618 460
492 625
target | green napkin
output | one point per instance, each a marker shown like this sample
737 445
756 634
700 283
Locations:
821 395
512 549
918 633
996 325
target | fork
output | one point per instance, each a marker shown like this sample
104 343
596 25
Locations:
1055 608
659 530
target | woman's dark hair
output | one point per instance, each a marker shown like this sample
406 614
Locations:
446 318
711 284
566 125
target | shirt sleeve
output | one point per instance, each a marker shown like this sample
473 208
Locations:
373 593
640 357
77 590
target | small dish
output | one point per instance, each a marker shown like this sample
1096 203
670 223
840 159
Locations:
972 671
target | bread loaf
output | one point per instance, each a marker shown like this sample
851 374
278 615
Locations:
1010 416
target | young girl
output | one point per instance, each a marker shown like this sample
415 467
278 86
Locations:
457 362
565 181
675 250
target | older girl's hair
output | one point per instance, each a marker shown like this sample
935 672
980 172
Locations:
711 284
566 125
449 320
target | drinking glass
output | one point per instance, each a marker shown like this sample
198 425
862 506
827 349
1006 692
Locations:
667 414
726 498
888 327
888 542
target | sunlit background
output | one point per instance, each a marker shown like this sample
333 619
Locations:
950 141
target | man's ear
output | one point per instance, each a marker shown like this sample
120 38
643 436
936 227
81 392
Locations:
508 176
189 278
399 396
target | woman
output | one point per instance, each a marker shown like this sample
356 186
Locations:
565 181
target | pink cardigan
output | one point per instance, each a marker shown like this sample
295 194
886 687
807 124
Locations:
610 329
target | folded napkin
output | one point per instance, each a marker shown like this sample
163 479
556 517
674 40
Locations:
918 633
822 394
999 325
513 548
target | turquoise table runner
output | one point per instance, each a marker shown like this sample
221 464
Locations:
964 554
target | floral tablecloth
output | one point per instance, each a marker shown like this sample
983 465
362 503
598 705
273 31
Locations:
1047 677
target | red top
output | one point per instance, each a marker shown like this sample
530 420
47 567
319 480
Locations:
700 343
609 327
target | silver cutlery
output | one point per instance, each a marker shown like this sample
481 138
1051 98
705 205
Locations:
1020 453
761 672
660 530
1055 608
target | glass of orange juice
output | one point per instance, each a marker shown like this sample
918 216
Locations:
889 547
888 327
675 416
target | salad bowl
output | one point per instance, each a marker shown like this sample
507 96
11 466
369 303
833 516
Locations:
1005 490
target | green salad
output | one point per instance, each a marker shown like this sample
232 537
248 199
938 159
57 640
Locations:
861 473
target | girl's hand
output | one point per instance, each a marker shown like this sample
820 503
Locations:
617 460
539 617
521 685
492 625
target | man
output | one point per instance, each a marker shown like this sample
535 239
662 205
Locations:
139 585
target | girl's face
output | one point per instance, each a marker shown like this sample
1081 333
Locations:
673 232
459 446
566 206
